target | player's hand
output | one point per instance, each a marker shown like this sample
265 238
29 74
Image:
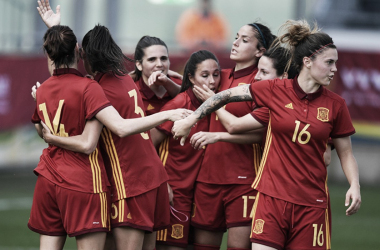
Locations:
174 74
181 129
203 93
201 139
34 90
353 195
157 78
46 133
47 14
178 114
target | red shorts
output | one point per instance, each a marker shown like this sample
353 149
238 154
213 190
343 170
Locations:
218 207
149 211
177 234
284 225
57 211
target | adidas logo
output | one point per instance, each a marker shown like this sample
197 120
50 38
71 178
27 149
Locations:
129 216
289 106
150 107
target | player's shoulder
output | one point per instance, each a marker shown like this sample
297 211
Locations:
180 101
333 96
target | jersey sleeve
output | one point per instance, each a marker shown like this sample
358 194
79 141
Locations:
94 100
35 117
261 92
261 115
175 103
342 125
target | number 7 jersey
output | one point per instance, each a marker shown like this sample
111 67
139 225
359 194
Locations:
300 124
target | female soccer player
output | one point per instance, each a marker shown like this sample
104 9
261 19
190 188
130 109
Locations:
182 163
223 197
151 74
291 206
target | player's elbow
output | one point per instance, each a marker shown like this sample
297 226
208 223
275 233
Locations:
89 148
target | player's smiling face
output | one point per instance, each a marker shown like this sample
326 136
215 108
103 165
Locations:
156 58
244 48
207 73
323 67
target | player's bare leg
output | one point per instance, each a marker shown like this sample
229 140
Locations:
205 237
91 241
167 247
52 242
238 237
149 241
128 238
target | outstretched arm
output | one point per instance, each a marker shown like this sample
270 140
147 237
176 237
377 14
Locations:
47 14
84 143
350 169
201 139
238 94
110 118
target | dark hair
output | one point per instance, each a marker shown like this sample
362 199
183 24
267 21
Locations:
280 57
145 42
102 53
303 41
263 35
59 44
192 64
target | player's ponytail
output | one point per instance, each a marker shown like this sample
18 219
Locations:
59 44
102 53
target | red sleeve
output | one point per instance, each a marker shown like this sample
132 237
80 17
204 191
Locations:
261 92
35 117
174 103
261 115
94 100
342 125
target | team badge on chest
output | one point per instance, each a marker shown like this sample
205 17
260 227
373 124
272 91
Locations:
259 226
177 231
323 114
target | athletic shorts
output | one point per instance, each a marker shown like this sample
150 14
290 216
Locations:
283 225
177 234
149 211
57 211
218 207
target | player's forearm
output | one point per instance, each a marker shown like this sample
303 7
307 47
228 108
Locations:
347 159
172 88
249 138
38 128
74 143
227 119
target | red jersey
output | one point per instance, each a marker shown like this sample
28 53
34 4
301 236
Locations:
299 127
152 103
64 102
230 163
182 163
132 163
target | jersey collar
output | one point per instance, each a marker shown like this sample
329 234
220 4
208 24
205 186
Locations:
148 93
302 95
63 71
243 72
193 98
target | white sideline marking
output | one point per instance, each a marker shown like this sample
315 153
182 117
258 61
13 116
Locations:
15 203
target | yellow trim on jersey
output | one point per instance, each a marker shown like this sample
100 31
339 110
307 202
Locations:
103 204
121 210
164 150
327 220
254 208
256 156
265 155
161 235
115 163
96 172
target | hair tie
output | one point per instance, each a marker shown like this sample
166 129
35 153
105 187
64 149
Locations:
319 49
261 34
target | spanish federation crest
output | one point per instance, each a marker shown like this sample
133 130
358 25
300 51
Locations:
259 226
177 231
323 114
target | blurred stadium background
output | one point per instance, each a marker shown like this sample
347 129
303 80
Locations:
353 24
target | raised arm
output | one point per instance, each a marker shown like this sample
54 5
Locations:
47 14
110 118
160 79
350 169
238 94
84 143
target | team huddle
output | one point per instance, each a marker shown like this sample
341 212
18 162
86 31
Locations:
153 159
